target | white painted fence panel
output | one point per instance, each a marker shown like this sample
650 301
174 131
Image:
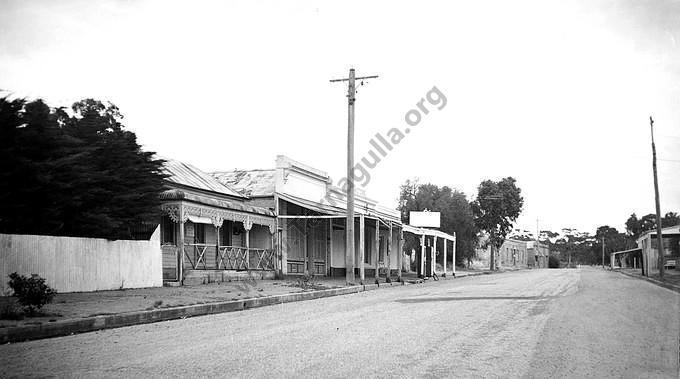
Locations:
71 264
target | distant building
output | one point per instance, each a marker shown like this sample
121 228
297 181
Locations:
537 254
513 253
648 242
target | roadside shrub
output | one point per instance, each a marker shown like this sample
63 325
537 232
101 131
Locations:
553 262
10 310
31 292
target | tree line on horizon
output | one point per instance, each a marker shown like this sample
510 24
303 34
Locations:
584 248
493 211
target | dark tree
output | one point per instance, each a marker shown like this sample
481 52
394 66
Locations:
496 208
633 226
613 241
670 219
636 227
74 175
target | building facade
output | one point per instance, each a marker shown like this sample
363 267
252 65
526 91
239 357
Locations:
513 253
209 230
311 219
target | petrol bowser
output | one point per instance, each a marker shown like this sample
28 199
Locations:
425 271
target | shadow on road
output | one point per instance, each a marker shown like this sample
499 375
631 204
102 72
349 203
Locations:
466 298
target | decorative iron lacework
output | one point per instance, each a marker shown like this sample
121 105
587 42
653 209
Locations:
217 216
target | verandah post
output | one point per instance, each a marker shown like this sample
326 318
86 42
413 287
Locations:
309 270
247 224
377 248
422 255
453 265
389 250
330 247
400 252
217 248
180 247
362 236
446 244
434 254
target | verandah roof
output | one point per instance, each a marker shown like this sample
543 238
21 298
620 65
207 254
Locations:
176 194
428 232
338 211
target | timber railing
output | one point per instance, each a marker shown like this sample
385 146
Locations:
212 257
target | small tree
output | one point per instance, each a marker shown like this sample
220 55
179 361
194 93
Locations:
32 292
497 206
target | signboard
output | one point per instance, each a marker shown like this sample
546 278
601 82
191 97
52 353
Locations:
424 219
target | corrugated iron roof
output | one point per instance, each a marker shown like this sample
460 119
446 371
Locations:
190 176
248 182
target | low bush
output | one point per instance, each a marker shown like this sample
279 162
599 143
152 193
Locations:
33 293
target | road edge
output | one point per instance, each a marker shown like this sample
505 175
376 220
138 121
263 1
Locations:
92 324
659 283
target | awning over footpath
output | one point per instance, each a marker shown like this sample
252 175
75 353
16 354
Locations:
627 251
428 232
333 211
312 205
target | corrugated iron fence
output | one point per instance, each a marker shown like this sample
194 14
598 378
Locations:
71 264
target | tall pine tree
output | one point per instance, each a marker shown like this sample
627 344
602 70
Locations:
75 175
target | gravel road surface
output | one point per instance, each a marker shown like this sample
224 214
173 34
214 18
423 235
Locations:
535 323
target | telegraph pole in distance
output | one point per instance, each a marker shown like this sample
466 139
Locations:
659 234
349 241
603 252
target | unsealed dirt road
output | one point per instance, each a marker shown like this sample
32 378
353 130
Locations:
538 323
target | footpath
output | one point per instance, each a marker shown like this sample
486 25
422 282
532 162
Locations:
71 313
671 278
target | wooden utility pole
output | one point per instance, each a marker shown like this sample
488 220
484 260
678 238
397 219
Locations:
349 245
659 234
603 253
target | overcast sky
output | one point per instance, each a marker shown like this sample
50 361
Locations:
557 94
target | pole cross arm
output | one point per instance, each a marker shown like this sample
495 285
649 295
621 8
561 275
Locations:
357 78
